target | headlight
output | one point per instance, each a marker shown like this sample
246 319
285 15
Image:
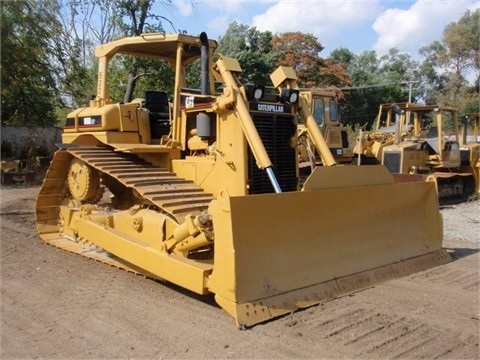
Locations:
254 92
289 96
258 92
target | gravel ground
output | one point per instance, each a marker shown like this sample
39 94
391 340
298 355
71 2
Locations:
462 221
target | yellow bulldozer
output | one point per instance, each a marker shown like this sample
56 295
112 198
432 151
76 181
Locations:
411 139
324 107
470 147
199 188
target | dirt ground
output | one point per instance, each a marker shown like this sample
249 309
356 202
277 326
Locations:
58 305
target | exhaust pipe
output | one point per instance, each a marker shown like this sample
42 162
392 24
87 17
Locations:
398 125
204 86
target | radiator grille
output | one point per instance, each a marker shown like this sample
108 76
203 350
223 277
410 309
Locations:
391 160
276 132
465 157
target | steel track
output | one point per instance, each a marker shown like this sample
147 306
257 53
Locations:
157 186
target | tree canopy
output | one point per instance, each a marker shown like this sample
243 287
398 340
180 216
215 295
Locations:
376 80
29 63
50 65
451 61
253 49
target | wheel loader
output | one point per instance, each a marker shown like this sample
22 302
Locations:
324 107
411 139
199 188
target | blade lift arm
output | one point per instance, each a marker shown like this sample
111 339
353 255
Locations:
285 77
233 98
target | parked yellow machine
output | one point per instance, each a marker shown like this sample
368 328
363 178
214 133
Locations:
407 141
470 128
326 112
470 146
202 192
370 144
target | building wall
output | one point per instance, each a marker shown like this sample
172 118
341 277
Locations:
21 142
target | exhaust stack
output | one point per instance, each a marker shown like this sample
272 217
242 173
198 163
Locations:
204 86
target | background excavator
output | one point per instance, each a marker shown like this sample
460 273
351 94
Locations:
202 191
411 139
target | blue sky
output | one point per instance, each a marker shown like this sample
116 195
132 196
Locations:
358 25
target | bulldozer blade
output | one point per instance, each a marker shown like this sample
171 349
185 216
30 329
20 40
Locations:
281 252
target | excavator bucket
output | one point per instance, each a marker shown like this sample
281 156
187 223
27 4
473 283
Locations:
281 252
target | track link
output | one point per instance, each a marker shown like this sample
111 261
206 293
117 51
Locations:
454 187
175 196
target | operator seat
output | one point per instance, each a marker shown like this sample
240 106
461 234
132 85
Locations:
159 113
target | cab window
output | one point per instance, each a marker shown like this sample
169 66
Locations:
318 111
334 116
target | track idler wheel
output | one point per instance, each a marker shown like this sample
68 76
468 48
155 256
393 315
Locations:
83 181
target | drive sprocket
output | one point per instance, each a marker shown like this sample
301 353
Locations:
83 181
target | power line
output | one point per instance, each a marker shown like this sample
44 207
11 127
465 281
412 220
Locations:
375 86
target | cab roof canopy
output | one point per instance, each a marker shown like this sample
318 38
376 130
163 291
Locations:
155 45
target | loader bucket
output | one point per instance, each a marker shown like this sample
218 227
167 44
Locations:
351 228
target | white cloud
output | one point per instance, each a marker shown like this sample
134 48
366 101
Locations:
184 7
230 6
422 23
213 16
322 19
358 25
218 24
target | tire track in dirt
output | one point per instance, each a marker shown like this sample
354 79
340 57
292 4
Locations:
60 305
372 334
379 328
463 279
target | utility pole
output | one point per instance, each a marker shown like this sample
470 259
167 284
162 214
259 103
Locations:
410 85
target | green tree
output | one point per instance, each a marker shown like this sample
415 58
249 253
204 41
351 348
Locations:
462 45
143 74
136 13
234 41
342 55
450 62
375 81
361 99
85 25
253 49
29 91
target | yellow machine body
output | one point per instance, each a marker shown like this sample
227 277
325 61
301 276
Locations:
209 199
470 147
324 107
406 144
